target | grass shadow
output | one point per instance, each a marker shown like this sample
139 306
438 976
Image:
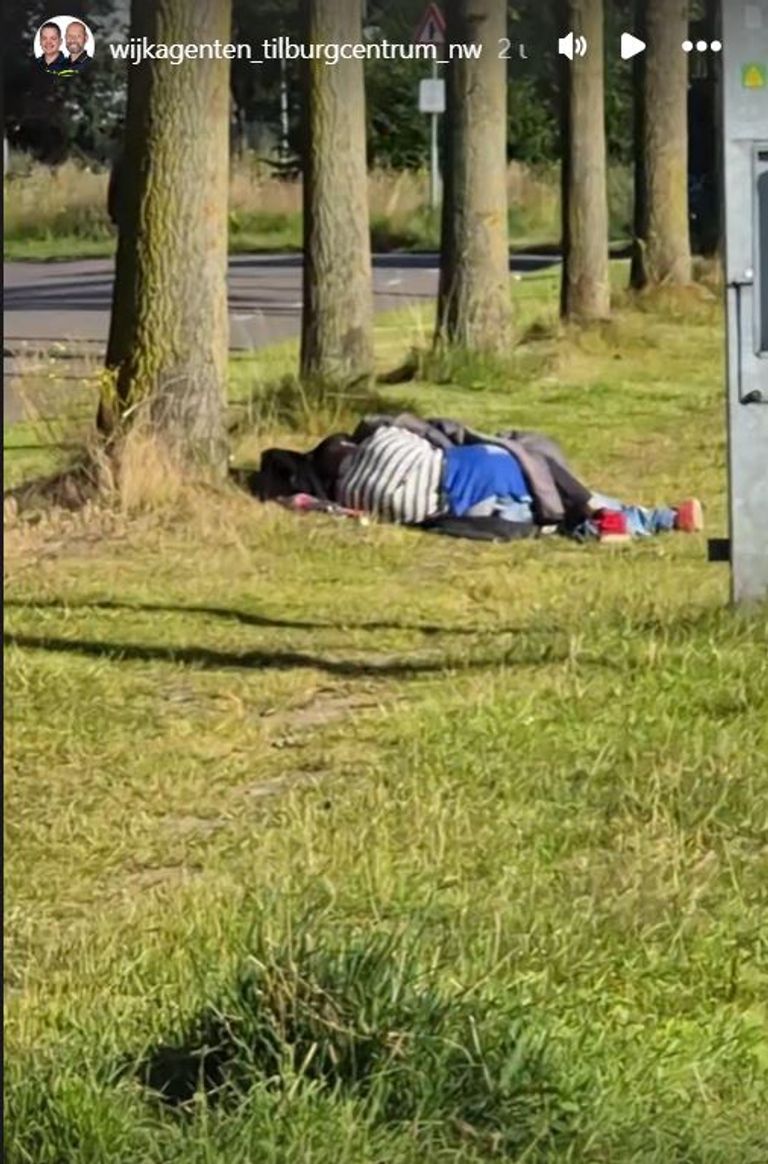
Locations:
364 1021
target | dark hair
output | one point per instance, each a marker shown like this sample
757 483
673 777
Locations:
50 24
327 457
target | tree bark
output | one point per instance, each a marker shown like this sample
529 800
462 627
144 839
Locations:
337 315
474 309
662 249
168 339
585 288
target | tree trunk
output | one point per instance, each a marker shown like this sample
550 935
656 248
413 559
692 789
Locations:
168 339
473 308
662 250
585 288
337 315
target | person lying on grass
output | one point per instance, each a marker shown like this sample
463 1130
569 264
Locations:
441 476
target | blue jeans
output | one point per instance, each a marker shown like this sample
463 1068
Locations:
641 522
508 508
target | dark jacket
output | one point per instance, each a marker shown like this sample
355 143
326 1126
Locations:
55 66
77 65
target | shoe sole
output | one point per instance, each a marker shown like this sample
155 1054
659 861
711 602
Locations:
696 523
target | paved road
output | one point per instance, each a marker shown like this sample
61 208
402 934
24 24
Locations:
69 302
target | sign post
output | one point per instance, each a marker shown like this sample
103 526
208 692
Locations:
745 199
431 30
434 159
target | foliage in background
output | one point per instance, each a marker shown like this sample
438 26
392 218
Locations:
54 121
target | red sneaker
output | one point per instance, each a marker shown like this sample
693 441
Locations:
689 516
612 526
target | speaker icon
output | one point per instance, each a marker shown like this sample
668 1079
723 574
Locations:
572 46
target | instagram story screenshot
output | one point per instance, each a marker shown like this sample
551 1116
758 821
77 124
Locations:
385 445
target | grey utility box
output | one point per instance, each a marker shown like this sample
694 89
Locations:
745 182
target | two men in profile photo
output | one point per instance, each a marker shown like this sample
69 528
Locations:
53 59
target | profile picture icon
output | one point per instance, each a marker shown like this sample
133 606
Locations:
64 45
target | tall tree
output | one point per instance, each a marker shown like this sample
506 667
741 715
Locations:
168 334
337 314
473 308
585 288
662 249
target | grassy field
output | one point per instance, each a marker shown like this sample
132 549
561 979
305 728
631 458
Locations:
347 844
62 213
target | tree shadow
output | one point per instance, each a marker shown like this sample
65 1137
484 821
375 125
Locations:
207 658
247 618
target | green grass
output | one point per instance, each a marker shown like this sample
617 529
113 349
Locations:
250 232
61 213
34 447
254 233
342 843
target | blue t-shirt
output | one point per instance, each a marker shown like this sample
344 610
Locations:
475 472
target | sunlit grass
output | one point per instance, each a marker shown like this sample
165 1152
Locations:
359 845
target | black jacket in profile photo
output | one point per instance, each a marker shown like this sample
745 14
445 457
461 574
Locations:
56 66
77 64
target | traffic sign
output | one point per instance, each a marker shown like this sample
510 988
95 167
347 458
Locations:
753 75
431 29
432 95
631 46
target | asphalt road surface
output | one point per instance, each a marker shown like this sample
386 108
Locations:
68 303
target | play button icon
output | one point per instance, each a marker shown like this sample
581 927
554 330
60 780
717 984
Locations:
631 45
